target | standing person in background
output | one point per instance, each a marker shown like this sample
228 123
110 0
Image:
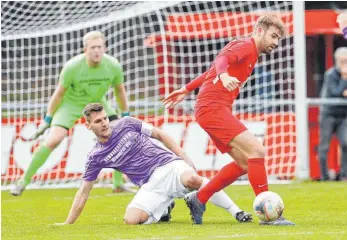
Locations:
333 119
84 79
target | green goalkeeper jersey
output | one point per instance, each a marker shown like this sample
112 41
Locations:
86 84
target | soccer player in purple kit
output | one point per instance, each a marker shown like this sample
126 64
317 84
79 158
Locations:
129 146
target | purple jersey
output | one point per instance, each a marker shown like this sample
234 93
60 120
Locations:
129 150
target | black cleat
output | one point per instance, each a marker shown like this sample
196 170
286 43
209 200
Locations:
167 217
244 217
196 208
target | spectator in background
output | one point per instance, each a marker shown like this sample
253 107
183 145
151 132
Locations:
342 21
333 119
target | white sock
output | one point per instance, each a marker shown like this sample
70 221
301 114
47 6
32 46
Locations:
150 220
221 199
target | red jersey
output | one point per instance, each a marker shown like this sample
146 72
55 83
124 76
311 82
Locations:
241 55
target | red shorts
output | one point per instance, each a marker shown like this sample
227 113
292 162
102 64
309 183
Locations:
220 124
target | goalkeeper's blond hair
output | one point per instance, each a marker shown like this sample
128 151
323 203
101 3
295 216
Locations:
92 35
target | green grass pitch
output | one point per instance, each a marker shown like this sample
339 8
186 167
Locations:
318 209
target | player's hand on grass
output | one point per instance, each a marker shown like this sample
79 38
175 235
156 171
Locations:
59 224
42 128
230 83
175 97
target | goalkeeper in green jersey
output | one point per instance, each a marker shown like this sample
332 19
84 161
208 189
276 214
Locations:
84 79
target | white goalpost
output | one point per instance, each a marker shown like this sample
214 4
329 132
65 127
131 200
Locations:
302 165
161 46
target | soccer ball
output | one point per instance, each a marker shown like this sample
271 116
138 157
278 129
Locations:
268 206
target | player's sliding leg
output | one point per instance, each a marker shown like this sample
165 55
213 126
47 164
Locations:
226 176
151 204
41 154
174 180
135 216
118 183
194 182
221 199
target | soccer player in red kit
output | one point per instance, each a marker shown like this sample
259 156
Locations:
220 87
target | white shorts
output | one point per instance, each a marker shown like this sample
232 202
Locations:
163 186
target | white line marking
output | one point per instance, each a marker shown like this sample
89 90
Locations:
235 235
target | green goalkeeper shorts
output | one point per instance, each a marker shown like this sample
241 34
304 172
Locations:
68 113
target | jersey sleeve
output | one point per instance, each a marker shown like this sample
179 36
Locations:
65 77
92 170
118 70
222 62
138 126
196 82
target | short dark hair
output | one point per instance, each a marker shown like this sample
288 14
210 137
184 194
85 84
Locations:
90 108
269 20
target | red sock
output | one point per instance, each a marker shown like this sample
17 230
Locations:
257 175
226 176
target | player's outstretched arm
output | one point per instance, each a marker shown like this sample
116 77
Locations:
171 144
80 200
177 96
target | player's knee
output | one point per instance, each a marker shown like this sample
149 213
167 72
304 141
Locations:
55 137
244 166
52 143
258 151
132 220
193 182
135 216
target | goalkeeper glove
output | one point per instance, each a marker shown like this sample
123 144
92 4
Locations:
125 114
43 126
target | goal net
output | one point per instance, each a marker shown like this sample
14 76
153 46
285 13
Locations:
161 46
